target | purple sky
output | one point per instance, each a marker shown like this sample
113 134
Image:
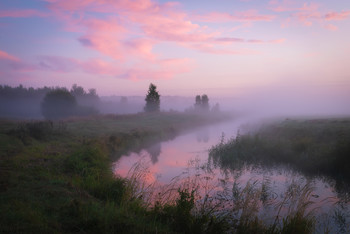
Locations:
221 48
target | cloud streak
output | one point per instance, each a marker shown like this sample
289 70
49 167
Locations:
5 56
25 13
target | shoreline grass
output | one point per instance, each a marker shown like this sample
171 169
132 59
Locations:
56 176
316 147
56 179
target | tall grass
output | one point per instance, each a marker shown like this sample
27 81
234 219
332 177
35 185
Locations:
63 183
198 202
313 147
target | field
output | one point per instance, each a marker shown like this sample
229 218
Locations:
313 147
56 176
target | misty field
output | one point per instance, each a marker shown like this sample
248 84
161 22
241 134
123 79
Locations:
57 176
314 147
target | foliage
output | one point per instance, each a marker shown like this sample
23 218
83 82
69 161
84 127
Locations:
201 103
22 102
64 184
152 99
314 147
59 103
205 102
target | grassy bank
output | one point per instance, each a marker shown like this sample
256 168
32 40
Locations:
56 177
317 147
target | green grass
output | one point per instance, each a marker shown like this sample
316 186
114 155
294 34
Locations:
318 147
57 177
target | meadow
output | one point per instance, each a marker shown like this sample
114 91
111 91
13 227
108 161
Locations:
57 177
315 147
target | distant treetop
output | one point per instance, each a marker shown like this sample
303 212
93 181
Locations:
152 99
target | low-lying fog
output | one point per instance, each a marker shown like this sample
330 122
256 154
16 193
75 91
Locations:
267 102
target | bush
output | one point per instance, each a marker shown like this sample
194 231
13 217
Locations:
58 104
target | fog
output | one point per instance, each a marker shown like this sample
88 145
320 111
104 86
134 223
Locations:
264 102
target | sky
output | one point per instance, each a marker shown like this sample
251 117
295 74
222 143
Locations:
228 48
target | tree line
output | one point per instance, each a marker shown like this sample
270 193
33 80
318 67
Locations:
59 102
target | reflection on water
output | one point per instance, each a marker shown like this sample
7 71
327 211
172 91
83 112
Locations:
174 159
203 135
154 152
170 158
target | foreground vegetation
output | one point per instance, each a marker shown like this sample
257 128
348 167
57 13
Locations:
317 147
56 176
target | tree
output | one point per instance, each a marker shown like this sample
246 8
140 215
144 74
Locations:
77 90
198 103
58 103
205 102
202 103
152 99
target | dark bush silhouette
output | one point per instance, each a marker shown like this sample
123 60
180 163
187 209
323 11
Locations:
205 102
202 103
59 103
198 103
22 102
152 99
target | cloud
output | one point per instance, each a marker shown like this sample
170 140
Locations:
164 69
22 13
337 15
58 64
211 49
330 27
244 16
10 63
6 56
241 40
289 6
307 14
125 33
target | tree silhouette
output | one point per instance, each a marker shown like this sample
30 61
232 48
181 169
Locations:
58 103
198 103
152 99
205 102
202 103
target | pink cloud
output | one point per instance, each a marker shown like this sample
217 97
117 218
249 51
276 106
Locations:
307 14
306 18
67 65
6 56
288 5
58 64
164 69
337 15
101 67
238 40
12 63
128 31
211 49
245 16
22 13
330 27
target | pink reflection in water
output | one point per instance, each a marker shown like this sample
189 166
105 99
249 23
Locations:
174 155
171 159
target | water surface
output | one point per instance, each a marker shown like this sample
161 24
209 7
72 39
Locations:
186 153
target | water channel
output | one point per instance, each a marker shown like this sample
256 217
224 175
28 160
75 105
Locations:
181 156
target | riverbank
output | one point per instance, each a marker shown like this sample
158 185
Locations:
315 147
56 177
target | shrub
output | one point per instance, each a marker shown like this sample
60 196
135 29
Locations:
58 104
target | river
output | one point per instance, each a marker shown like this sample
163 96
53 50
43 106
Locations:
187 153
